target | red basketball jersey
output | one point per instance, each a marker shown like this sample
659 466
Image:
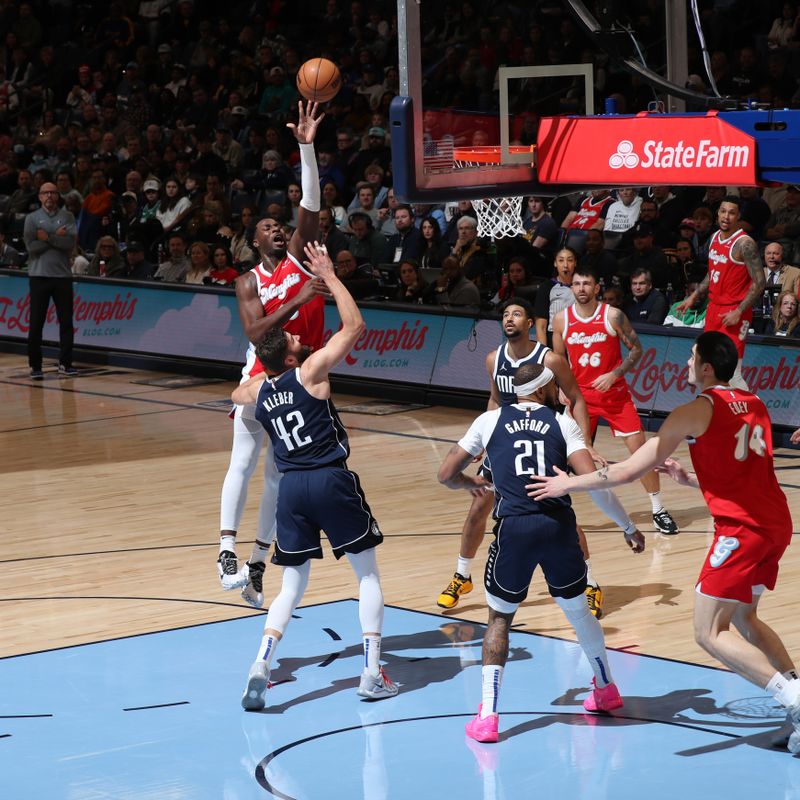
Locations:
274 289
728 279
592 345
733 462
589 212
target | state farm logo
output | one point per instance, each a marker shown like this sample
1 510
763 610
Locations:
624 157
703 155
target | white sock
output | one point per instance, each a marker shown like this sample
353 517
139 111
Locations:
260 552
464 566
590 636
786 692
267 648
655 501
589 577
372 654
492 677
227 542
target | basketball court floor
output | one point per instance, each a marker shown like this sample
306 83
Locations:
122 662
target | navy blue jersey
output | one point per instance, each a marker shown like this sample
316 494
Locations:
523 440
505 368
305 432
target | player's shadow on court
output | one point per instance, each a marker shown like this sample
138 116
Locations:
616 598
688 708
416 671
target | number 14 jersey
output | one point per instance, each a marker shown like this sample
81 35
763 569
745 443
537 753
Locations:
734 466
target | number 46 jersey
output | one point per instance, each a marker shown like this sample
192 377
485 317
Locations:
733 463
306 433
521 440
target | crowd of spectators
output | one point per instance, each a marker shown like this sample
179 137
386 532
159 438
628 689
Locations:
163 126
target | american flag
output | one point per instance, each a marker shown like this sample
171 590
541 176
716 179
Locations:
438 154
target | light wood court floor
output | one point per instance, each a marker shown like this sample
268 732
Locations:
110 518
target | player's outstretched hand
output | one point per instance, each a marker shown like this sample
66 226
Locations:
795 437
319 262
544 487
596 457
312 289
635 541
307 122
676 471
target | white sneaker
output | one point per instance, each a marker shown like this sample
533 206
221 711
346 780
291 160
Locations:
793 713
257 684
253 593
230 576
376 688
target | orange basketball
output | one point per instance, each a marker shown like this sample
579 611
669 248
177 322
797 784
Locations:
319 80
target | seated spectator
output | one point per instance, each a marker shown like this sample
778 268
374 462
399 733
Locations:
330 196
152 201
412 288
463 208
175 268
703 231
23 200
600 260
210 228
621 216
294 194
694 316
540 228
329 235
243 255
365 196
671 210
646 304
374 175
663 235
9 257
472 257
138 268
199 264
434 249
174 206
222 273
107 262
779 275
754 211
453 288
78 261
785 319
645 256
591 213
408 241
784 31
614 296
784 225
517 281
366 244
555 295
97 205
688 268
358 280
228 149
386 214
272 180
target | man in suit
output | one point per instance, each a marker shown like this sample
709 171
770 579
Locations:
780 277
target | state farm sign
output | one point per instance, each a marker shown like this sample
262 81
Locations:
645 149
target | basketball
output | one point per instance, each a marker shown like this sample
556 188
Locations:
319 80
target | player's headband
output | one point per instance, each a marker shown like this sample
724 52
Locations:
527 389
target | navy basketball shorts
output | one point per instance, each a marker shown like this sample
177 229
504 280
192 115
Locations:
549 540
329 499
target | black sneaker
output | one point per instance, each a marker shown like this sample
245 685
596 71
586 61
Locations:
228 567
37 375
70 372
664 522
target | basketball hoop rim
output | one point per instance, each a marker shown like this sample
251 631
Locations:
488 154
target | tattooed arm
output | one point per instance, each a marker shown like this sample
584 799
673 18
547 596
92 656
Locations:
745 250
630 339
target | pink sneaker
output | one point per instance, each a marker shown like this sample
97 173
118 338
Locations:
605 699
483 729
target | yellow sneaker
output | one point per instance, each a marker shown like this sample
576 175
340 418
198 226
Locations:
458 586
594 596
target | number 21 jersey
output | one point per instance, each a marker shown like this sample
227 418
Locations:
734 466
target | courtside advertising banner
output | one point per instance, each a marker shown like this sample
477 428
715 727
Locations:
645 149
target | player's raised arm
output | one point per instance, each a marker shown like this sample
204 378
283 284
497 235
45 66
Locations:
316 367
308 215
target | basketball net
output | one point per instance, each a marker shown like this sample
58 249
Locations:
497 216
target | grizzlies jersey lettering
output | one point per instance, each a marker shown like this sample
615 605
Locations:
305 432
521 440
505 368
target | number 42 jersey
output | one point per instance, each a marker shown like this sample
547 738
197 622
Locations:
734 466
521 440
306 433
